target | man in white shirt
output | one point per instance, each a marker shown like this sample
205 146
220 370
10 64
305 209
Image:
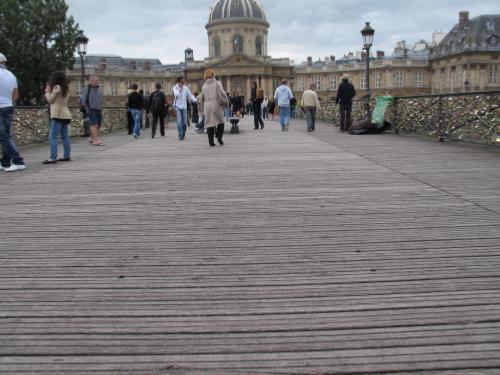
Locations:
11 160
181 97
282 96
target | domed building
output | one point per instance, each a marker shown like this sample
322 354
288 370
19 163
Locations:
237 42
237 26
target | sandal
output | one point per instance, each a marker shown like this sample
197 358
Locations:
64 159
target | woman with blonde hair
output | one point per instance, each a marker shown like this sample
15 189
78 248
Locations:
214 101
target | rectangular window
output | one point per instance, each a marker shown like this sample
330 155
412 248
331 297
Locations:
301 84
398 78
492 74
317 82
333 82
378 80
78 85
363 81
114 88
418 78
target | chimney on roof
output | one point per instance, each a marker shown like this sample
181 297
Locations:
309 61
332 58
463 18
380 54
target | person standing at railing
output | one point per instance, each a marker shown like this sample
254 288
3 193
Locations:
11 159
57 94
345 93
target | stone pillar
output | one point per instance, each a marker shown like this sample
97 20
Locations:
248 94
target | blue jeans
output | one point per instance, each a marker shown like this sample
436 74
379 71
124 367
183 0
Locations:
181 118
56 128
137 115
284 116
9 150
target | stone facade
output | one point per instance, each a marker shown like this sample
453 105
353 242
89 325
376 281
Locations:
31 124
464 60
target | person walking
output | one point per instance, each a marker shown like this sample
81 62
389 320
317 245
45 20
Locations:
157 103
214 101
345 93
136 104
181 97
265 108
92 99
200 127
283 96
11 159
310 104
257 109
195 114
57 94
272 108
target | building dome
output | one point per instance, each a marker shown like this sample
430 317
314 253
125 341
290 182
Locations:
234 10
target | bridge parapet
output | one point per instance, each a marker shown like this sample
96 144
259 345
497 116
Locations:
470 117
32 124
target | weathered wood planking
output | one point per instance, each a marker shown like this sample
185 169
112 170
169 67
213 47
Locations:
279 253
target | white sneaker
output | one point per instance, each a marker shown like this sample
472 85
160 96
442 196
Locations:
15 167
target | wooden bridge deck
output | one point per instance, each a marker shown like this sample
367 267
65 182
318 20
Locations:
279 253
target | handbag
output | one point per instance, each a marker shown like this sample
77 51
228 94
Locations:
221 95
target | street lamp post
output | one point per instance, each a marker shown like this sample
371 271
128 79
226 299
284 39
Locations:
368 32
81 45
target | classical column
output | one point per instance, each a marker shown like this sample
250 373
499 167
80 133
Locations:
248 94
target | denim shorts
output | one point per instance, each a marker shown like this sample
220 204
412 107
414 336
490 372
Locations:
95 117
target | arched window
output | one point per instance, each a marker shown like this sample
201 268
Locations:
258 46
238 44
217 51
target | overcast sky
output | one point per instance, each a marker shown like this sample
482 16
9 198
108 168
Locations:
299 28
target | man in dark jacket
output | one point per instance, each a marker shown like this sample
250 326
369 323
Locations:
345 93
157 102
136 105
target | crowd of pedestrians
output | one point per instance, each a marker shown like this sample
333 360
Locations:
208 111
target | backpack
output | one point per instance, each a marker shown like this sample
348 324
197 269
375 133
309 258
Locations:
157 102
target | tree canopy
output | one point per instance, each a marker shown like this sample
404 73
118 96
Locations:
37 37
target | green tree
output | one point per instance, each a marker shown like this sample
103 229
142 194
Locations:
38 37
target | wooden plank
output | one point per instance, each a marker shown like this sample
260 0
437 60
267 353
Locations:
279 253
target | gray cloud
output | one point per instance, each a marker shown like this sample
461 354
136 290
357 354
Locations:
299 28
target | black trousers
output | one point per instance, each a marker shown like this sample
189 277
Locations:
215 131
130 122
257 117
161 117
345 116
